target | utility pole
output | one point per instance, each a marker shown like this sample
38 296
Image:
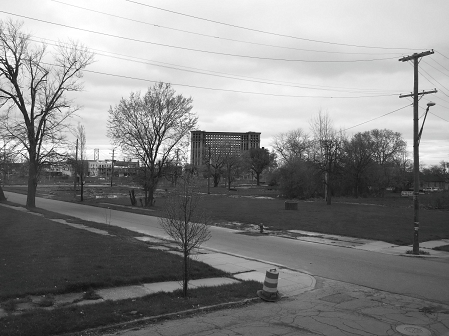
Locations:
327 170
112 168
415 58
75 168
208 174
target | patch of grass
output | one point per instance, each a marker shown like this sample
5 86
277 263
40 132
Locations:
46 301
442 248
392 224
9 305
421 252
77 318
38 256
388 218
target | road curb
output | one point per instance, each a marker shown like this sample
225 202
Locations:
151 319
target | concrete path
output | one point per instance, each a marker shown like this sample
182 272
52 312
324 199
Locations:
333 308
369 245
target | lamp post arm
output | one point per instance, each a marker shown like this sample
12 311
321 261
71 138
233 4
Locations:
422 126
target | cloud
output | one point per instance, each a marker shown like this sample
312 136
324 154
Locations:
341 26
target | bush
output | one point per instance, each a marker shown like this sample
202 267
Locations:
299 179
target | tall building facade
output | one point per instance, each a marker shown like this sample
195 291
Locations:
218 142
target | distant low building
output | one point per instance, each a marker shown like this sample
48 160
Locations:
103 168
57 169
202 142
434 182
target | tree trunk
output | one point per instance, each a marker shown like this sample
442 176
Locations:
328 190
185 279
258 178
82 186
2 195
186 259
216 180
149 195
32 183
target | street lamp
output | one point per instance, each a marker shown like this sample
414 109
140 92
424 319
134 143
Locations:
417 139
429 104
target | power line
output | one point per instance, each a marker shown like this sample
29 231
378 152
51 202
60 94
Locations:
230 76
199 50
263 31
383 115
438 116
238 91
442 55
439 64
431 81
435 80
243 79
219 37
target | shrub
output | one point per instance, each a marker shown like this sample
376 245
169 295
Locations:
299 179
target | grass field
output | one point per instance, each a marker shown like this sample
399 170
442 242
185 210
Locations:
388 218
39 256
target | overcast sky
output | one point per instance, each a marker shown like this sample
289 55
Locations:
265 66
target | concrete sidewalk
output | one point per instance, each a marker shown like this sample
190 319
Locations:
369 245
333 308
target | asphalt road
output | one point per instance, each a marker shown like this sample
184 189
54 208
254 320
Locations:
422 278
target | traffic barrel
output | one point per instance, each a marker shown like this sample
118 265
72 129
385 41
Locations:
269 291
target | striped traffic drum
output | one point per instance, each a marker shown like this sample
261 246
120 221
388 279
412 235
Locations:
269 291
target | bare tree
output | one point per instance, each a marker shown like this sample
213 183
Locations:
81 163
328 145
185 220
217 160
292 145
150 128
36 82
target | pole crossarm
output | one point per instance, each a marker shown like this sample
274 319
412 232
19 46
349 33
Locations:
419 93
415 55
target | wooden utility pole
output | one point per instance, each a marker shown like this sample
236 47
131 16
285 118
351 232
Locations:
415 58
75 168
208 173
112 168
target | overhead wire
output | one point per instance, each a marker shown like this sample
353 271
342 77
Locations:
438 116
198 50
230 76
263 31
434 78
433 59
383 115
421 73
442 54
237 91
220 37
